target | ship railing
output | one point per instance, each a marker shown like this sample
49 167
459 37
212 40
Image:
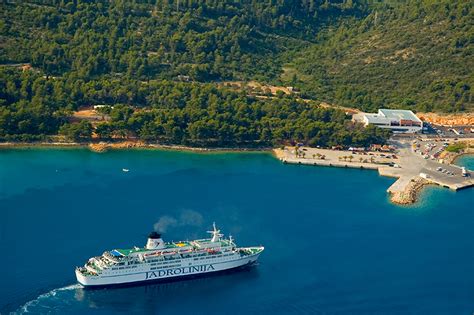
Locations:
86 272
244 251
91 269
110 257
94 264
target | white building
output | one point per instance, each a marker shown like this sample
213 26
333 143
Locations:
397 120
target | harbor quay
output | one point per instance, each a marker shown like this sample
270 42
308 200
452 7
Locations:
412 170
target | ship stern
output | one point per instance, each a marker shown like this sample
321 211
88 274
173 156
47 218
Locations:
81 278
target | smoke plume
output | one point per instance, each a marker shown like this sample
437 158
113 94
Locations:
186 218
164 223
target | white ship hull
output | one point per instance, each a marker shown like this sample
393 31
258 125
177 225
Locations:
187 267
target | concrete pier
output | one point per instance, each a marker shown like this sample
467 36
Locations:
411 170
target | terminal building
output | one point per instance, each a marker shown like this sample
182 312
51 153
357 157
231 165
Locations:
396 120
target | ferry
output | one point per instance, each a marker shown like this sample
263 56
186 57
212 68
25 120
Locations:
160 260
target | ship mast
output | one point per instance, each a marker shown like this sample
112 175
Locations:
215 233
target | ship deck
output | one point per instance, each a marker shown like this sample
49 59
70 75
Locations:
172 245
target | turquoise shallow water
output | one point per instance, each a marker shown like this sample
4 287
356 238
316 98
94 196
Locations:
466 161
334 244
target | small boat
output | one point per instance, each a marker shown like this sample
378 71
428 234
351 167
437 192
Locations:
125 170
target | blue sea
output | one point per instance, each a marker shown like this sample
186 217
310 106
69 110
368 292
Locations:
334 244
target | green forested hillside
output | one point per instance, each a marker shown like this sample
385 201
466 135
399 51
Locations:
415 55
170 112
358 53
207 40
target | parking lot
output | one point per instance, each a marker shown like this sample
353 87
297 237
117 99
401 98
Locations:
449 132
429 148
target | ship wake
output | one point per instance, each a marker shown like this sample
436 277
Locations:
40 304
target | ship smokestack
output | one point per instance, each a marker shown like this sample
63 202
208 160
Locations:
155 241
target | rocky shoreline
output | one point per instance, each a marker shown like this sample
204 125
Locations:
101 147
451 157
106 146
